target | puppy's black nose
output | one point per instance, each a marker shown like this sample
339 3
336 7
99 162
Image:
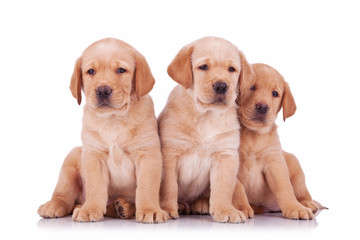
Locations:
220 87
103 92
262 108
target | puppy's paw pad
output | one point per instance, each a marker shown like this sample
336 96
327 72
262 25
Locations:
87 214
121 208
124 209
53 209
152 216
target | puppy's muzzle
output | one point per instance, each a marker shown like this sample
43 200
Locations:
103 94
262 108
220 87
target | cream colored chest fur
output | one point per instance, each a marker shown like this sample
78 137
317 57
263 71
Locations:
253 162
112 138
252 176
122 173
210 135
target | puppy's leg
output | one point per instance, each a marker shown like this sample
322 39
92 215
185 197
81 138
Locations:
240 200
277 176
68 188
96 180
120 208
222 183
148 176
297 178
169 185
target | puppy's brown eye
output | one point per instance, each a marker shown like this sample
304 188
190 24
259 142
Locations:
91 71
204 67
275 94
231 69
120 70
252 88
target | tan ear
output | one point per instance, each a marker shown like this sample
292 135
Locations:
144 80
180 69
247 75
288 102
76 81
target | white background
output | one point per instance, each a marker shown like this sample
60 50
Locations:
313 44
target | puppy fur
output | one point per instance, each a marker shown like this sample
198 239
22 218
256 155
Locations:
199 131
121 155
273 179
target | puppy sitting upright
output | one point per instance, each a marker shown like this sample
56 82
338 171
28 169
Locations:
199 131
120 156
273 179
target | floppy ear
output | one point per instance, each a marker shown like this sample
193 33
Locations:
144 80
288 103
247 74
76 81
180 69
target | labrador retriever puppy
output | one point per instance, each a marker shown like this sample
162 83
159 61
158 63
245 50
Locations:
273 179
199 131
121 155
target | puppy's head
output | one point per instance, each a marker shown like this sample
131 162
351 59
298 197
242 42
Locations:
111 73
262 97
209 69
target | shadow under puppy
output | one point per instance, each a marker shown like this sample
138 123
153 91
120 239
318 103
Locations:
199 132
273 179
121 155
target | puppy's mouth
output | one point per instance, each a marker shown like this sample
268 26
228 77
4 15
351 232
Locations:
108 105
260 118
104 103
218 101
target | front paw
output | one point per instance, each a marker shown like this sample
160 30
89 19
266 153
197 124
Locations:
87 214
298 212
248 211
171 209
310 204
53 209
172 212
227 215
151 215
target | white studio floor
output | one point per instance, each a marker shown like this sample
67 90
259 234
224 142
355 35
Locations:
271 225
187 222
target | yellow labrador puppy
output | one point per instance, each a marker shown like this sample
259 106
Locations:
199 131
121 155
273 179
